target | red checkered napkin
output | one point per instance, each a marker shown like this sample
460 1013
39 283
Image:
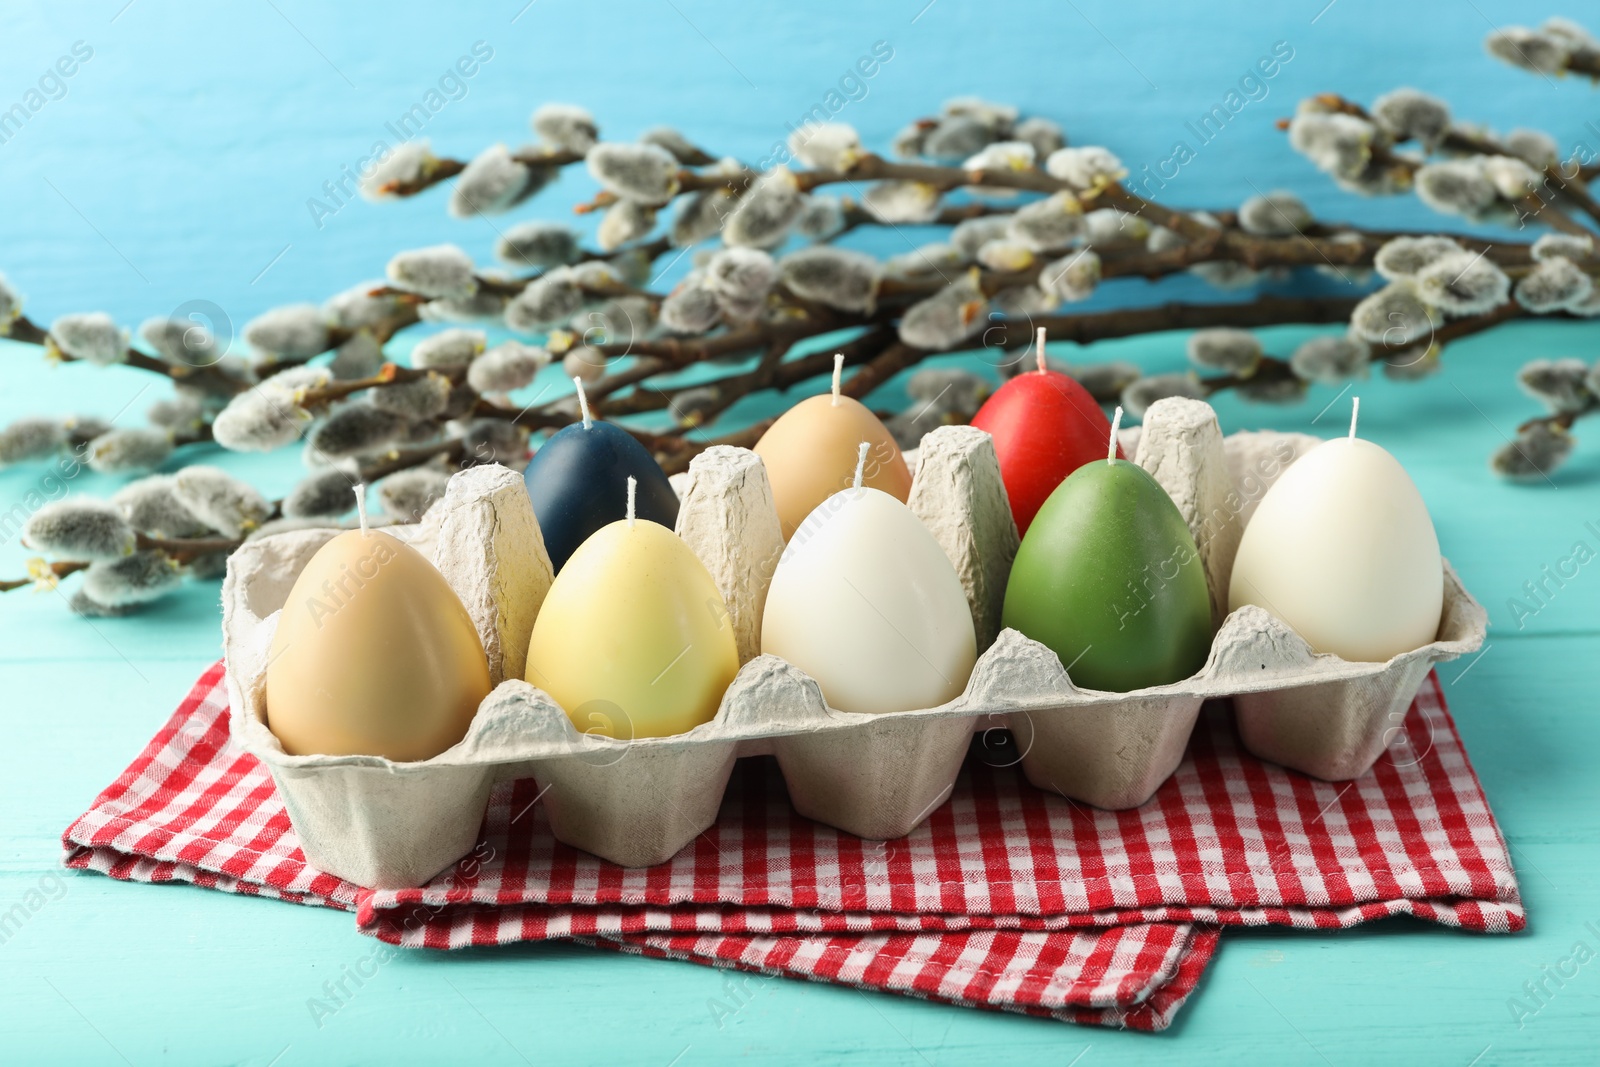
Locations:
1007 898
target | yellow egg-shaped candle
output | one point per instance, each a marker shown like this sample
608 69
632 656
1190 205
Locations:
634 638
810 454
374 655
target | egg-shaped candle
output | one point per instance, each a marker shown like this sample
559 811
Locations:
1045 426
866 602
634 638
578 482
810 454
1109 578
374 655
1342 549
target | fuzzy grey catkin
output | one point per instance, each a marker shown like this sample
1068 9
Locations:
1394 315
80 529
1576 247
1290 390
1463 283
507 367
152 507
269 415
826 145
1554 284
838 277
356 308
952 138
1086 167
180 341
762 217
946 318
482 306
1001 156
622 320
221 501
418 400
1007 256
1140 394
30 439
683 150
494 183
1412 114
1336 144
1528 49
295 331
133 450
407 495
1072 278
435 271
1534 147
1275 214
326 494
820 218
1329 360
643 172
136 579
624 221
899 201
1043 134
741 274
405 165
1048 225
538 244
1559 384
691 307
1456 187
93 336
448 348
1403 257
1225 349
585 363
10 305
549 300
1535 454
356 429
495 441
969 235
699 216
566 126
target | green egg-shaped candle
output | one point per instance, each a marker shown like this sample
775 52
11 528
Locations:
1108 577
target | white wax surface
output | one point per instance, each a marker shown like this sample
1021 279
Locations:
866 602
1343 550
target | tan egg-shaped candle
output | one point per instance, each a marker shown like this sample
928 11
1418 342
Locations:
810 454
1343 550
634 638
374 655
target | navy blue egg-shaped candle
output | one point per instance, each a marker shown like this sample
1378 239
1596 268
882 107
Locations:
578 481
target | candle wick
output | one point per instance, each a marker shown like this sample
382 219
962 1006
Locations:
1116 423
1039 353
861 463
361 506
1355 412
633 488
583 403
838 375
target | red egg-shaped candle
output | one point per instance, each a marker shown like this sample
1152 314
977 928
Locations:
1045 426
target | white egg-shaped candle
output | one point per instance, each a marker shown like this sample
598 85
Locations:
866 602
1343 550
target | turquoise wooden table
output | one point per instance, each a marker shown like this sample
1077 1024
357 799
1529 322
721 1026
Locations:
177 167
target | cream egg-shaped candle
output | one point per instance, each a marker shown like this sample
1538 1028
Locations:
1343 550
633 639
866 602
374 655
810 454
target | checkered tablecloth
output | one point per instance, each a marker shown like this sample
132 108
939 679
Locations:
1007 898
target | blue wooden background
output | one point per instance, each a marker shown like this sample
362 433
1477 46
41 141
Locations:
176 165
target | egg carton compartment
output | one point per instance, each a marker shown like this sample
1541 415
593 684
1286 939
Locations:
636 803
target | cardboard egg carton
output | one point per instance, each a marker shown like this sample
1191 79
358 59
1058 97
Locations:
385 824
